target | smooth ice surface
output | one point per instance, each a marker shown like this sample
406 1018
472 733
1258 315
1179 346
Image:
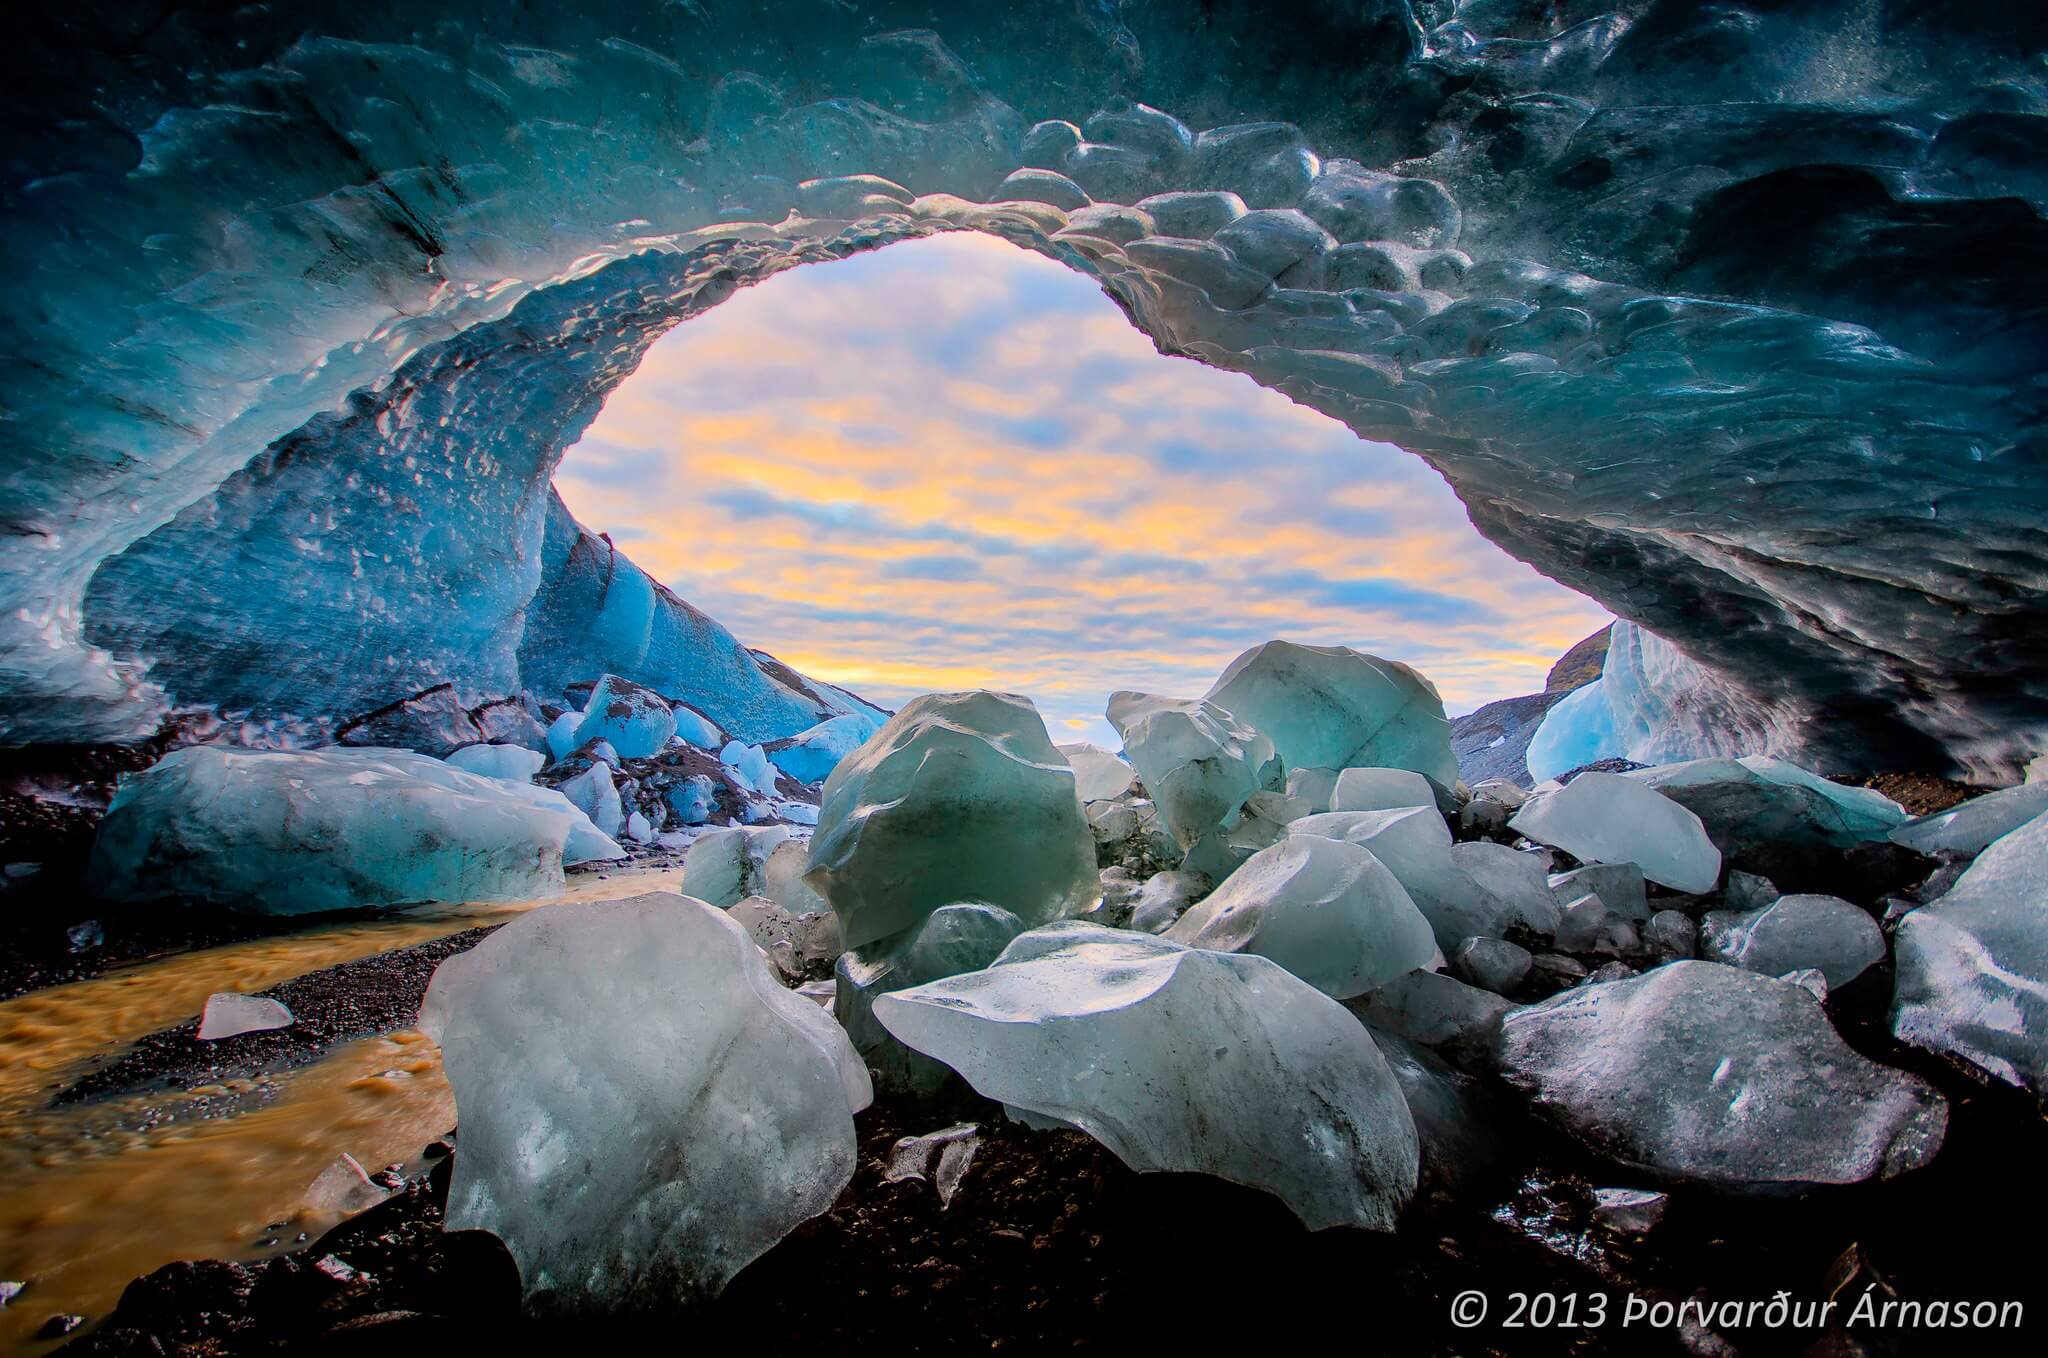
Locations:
810 756
507 763
1436 1010
1179 1059
644 1108
1098 774
942 1157
1335 708
957 937
1971 827
297 833
230 1015
596 795
1380 790
1762 805
961 796
1972 967
1197 761
1579 730
694 728
1610 818
726 866
344 1188
1491 964
1795 933
748 766
1463 890
1703 1073
633 720
1326 910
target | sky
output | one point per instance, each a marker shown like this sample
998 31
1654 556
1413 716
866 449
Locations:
954 464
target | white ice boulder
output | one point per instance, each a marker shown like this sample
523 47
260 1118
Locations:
299 832
644 1109
1795 933
1967 829
595 794
1198 762
961 796
811 755
1099 776
958 937
725 867
507 763
1313 788
633 720
1164 898
1611 818
694 728
1709 1074
1335 708
748 766
1972 967
1327 911
228 1014
1757 804
1179 1059
561 736
1380 790
1416 847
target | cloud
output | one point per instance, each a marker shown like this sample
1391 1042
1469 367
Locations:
953 463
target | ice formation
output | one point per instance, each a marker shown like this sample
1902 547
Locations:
634 721
1759 805
1703 1073
726 866
1198 762
644 1108
1972 967
1795 933
1610 818
810 756
961 796
1415 845
1331 707
1098 774
1380 790
1973 826
298 833
1179 1059
1326 910
959 937
509 763
230 1015
596 795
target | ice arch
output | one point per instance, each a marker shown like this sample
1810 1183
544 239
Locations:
315 293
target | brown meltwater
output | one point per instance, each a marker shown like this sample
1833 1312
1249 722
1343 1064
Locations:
89 1201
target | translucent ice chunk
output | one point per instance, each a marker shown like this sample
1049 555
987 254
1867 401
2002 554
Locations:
749 766
635 721
595 794
1794 933
942 1157
1380 790
961 796
1098 775
1313 787
305 831
562 734
1179 1059
1491 964
810 756
1577 731
1610 818
1972 974
1759 806
694 728
344 1189
724 867
1436 1010
230 1015
1709 1074
958 937
644 1108
1164 898
1198 762
507 763
1967 829
1335 708
1415 844
1618 885
1326 910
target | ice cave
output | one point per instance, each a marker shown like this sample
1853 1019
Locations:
427 922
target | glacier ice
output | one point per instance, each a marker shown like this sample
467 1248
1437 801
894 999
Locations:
1380 790
726 866
596 795
693 799
1197 761
635 721
561 734
694 728
1611 818
1415 845
748 766
1618 885
1099 775
1795 933
344 1188
1971 827
1971 977
1437 1011
958 937
290 833
810 756
1326 910
1179 1059
1758 810
1702 1073
942 1157
1491 964
228 1014
1314 788
644 1109
1164 898
1579 730
1335 708
508 763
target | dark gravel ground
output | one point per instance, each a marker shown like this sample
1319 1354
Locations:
379 994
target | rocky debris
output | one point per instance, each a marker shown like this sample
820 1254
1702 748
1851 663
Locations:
652 1184
960 796
1580 665
1972 966
1326 910
1702 1073
1334 708
1795 933
1608 818
1492 742
799 946
433 721
1179 1059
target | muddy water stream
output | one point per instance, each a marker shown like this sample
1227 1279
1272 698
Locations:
93 1195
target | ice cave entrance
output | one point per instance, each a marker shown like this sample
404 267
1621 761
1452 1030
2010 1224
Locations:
953 463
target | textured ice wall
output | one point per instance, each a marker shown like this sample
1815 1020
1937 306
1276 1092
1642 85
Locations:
1728 315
